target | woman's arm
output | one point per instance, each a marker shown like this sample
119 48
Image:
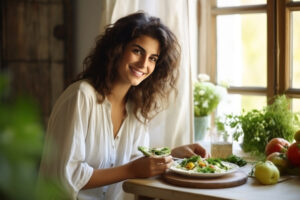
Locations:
140 168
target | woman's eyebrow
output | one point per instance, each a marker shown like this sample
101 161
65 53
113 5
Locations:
142 49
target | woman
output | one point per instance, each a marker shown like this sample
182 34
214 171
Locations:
100 120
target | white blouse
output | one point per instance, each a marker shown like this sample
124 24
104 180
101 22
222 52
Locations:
80 138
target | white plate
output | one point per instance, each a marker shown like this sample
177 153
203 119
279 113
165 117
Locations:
174 169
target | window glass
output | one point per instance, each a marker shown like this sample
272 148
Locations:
236 103
296 105
229 3
242 50
295 72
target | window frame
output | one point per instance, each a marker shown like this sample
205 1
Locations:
285 9
278 46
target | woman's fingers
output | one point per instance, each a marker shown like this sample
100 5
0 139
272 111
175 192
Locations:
199 150
164 159
150 166
186 151
161 164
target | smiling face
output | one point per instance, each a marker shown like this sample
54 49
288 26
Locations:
138 60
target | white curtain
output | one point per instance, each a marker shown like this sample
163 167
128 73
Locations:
173 126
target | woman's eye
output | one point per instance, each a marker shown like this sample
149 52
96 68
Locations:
153 59
137 51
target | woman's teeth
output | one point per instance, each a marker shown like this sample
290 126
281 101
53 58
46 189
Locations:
137 73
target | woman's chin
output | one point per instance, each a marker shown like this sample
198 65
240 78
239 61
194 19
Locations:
136 82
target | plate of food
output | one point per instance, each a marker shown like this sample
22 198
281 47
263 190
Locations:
196 166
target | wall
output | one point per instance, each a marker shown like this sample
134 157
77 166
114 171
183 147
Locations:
86 28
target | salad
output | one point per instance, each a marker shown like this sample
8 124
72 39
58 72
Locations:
162 151
201 165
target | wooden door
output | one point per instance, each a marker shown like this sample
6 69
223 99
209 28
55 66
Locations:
36 48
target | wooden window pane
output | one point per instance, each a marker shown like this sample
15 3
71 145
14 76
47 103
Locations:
242 50
230 3
295 72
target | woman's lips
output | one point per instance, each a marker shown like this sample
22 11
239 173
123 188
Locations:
136 72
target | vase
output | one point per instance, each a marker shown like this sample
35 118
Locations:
201 126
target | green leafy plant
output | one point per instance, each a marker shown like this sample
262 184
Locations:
21 136
259 126
207 96
20 144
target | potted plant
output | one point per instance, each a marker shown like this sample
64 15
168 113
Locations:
257 127
207 97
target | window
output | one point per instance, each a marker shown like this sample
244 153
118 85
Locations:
254 46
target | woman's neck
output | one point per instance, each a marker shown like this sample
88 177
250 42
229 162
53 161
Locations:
118 94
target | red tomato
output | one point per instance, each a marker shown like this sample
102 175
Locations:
277 145
293 154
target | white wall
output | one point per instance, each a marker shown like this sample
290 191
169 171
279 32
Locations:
86 28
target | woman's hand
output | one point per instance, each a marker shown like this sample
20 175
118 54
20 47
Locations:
149 166
186 151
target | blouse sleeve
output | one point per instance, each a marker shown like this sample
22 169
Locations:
65 141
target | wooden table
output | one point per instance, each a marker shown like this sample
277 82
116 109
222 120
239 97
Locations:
157 188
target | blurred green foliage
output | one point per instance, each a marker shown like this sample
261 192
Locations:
21 135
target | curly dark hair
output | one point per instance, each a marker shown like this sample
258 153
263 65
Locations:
100 66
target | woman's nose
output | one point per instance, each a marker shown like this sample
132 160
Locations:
143 61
